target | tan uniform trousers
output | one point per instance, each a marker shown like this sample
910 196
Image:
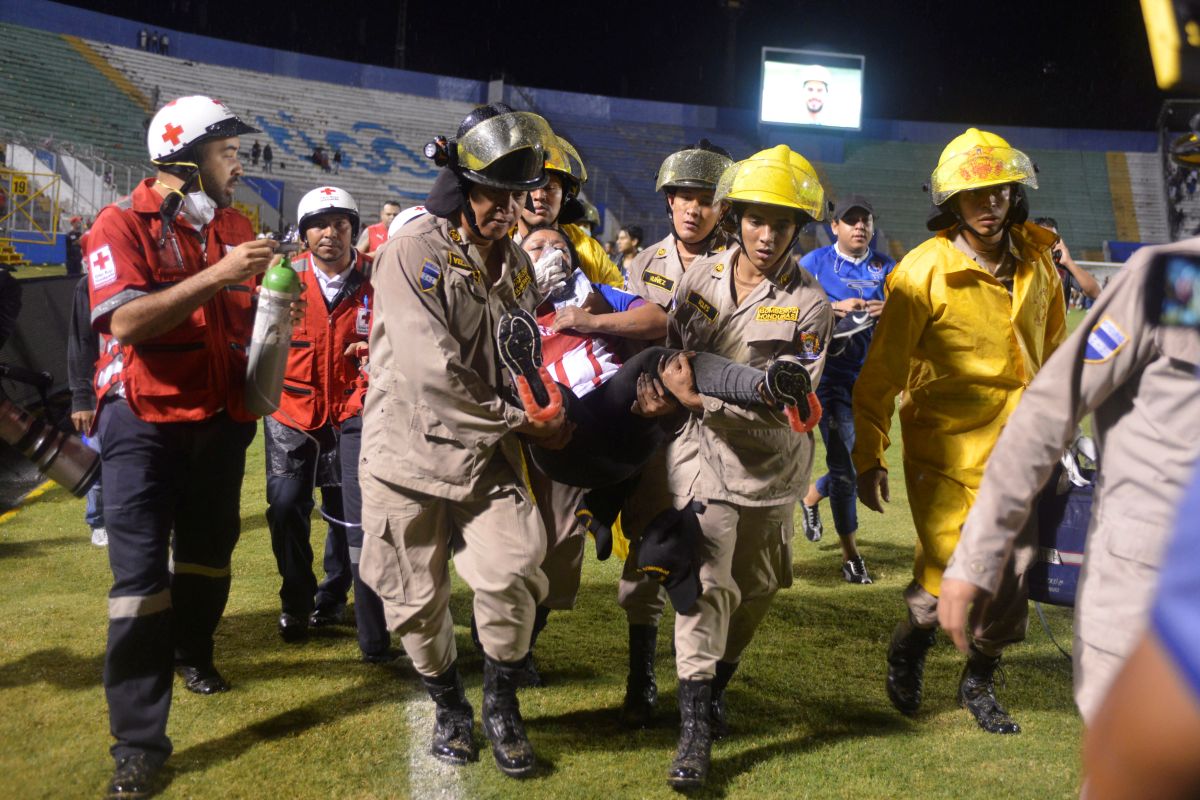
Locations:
1002 621
567 540
497 541
1095 670
746 557
643 597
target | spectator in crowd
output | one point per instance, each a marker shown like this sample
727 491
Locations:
852 276
154 42
373 236
972 314
1137 379
164 44
629 244
268 157
337 160
1071 274
143 39
255 152
83 351
75 247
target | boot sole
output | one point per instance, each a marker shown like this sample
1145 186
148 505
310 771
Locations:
685 784
517 772
454 761
520 346
788 381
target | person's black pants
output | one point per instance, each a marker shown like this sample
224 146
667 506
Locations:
373 636
612 444
169 591
294 463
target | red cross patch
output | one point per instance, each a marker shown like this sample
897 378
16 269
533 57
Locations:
101 267
327 191
172 133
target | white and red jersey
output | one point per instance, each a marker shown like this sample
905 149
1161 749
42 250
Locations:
577 360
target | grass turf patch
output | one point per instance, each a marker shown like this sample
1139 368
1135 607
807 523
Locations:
808 707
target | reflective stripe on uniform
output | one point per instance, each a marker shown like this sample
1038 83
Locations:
139 606
184 568
355 554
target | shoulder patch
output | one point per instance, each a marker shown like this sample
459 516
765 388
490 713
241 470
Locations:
703 306
810 344
101 267
661 281
1104 342
521 280
662 251
777 314
431 273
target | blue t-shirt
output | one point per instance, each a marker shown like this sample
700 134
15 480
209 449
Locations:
619 300
1176 614
843 279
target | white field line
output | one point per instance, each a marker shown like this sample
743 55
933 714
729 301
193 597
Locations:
428 778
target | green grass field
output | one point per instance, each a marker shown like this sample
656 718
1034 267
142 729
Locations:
810 714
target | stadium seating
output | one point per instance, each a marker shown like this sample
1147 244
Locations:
99 94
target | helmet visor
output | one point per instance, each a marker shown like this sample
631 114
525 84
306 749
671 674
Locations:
774 184
699 169
502 135
563 157
980 167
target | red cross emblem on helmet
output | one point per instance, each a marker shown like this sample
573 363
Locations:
172 133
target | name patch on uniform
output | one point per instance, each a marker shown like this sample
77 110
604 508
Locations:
458 261
1104 342
521 280
777 314
810 345
703 306
430 275
661 281
101 267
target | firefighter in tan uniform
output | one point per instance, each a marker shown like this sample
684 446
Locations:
971 316
1138 379
442 472
687 178
751 304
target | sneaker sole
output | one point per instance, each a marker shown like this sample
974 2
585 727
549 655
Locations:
789 382
520 346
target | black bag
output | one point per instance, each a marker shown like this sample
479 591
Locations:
1064 511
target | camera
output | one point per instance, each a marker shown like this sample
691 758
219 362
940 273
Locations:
62 457
1174 296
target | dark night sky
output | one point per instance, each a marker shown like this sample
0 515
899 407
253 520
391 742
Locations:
1057 63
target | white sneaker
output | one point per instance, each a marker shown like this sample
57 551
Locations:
100 537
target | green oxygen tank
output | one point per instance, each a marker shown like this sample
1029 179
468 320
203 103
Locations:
271 339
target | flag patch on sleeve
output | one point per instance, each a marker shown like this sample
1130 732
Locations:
1104 342
430 275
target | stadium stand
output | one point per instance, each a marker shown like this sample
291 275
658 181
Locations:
98 93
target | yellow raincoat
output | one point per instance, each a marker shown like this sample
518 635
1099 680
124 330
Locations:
962 351
594 262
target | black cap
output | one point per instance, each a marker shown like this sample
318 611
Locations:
852 201
669 551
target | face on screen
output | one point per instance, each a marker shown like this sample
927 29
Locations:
815 93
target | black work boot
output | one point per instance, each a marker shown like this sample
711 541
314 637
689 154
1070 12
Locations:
641 690
906 665
716 717
977 694
532 677
452 740
502 717
135 777
689 770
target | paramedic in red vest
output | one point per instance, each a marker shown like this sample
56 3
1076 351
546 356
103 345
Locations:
375 235
301 437
171 273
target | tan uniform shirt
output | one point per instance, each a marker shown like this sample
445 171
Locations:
1139 380
750 456
655 272
433 416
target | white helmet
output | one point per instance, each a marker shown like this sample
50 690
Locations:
325 200
404 217
188 121
815 72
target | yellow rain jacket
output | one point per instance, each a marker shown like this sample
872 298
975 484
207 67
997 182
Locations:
594 262
962 350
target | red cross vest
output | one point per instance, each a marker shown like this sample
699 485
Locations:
197 369
321 381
